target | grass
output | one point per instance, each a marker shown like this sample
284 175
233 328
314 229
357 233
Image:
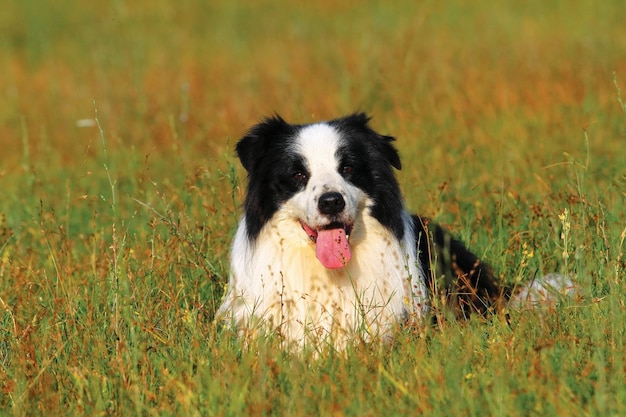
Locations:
120 194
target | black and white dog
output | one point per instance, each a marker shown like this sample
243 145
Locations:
327 252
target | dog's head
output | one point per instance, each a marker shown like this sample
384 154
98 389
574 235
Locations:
322 176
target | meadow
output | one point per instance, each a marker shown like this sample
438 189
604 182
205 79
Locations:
120 193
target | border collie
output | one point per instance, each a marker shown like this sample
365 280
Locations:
326 251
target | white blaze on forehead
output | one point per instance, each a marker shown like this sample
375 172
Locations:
318 145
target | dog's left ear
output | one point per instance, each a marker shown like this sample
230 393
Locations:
362 122
390 152
252 147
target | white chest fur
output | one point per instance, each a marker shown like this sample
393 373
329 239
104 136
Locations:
278 284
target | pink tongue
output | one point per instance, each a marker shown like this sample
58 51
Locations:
332 248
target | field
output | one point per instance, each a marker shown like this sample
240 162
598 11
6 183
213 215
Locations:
120 192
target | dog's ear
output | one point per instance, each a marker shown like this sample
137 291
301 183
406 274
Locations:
390 152
249 148
360 121
252 147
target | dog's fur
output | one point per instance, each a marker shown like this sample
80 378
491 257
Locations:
332 184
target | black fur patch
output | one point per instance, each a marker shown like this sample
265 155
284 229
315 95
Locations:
466 284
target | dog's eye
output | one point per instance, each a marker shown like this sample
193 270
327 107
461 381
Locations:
299 176
346 170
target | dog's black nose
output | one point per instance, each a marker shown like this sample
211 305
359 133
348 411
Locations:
331 203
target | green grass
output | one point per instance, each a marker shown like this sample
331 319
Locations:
114 236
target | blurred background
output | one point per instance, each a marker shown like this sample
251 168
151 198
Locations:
435 74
